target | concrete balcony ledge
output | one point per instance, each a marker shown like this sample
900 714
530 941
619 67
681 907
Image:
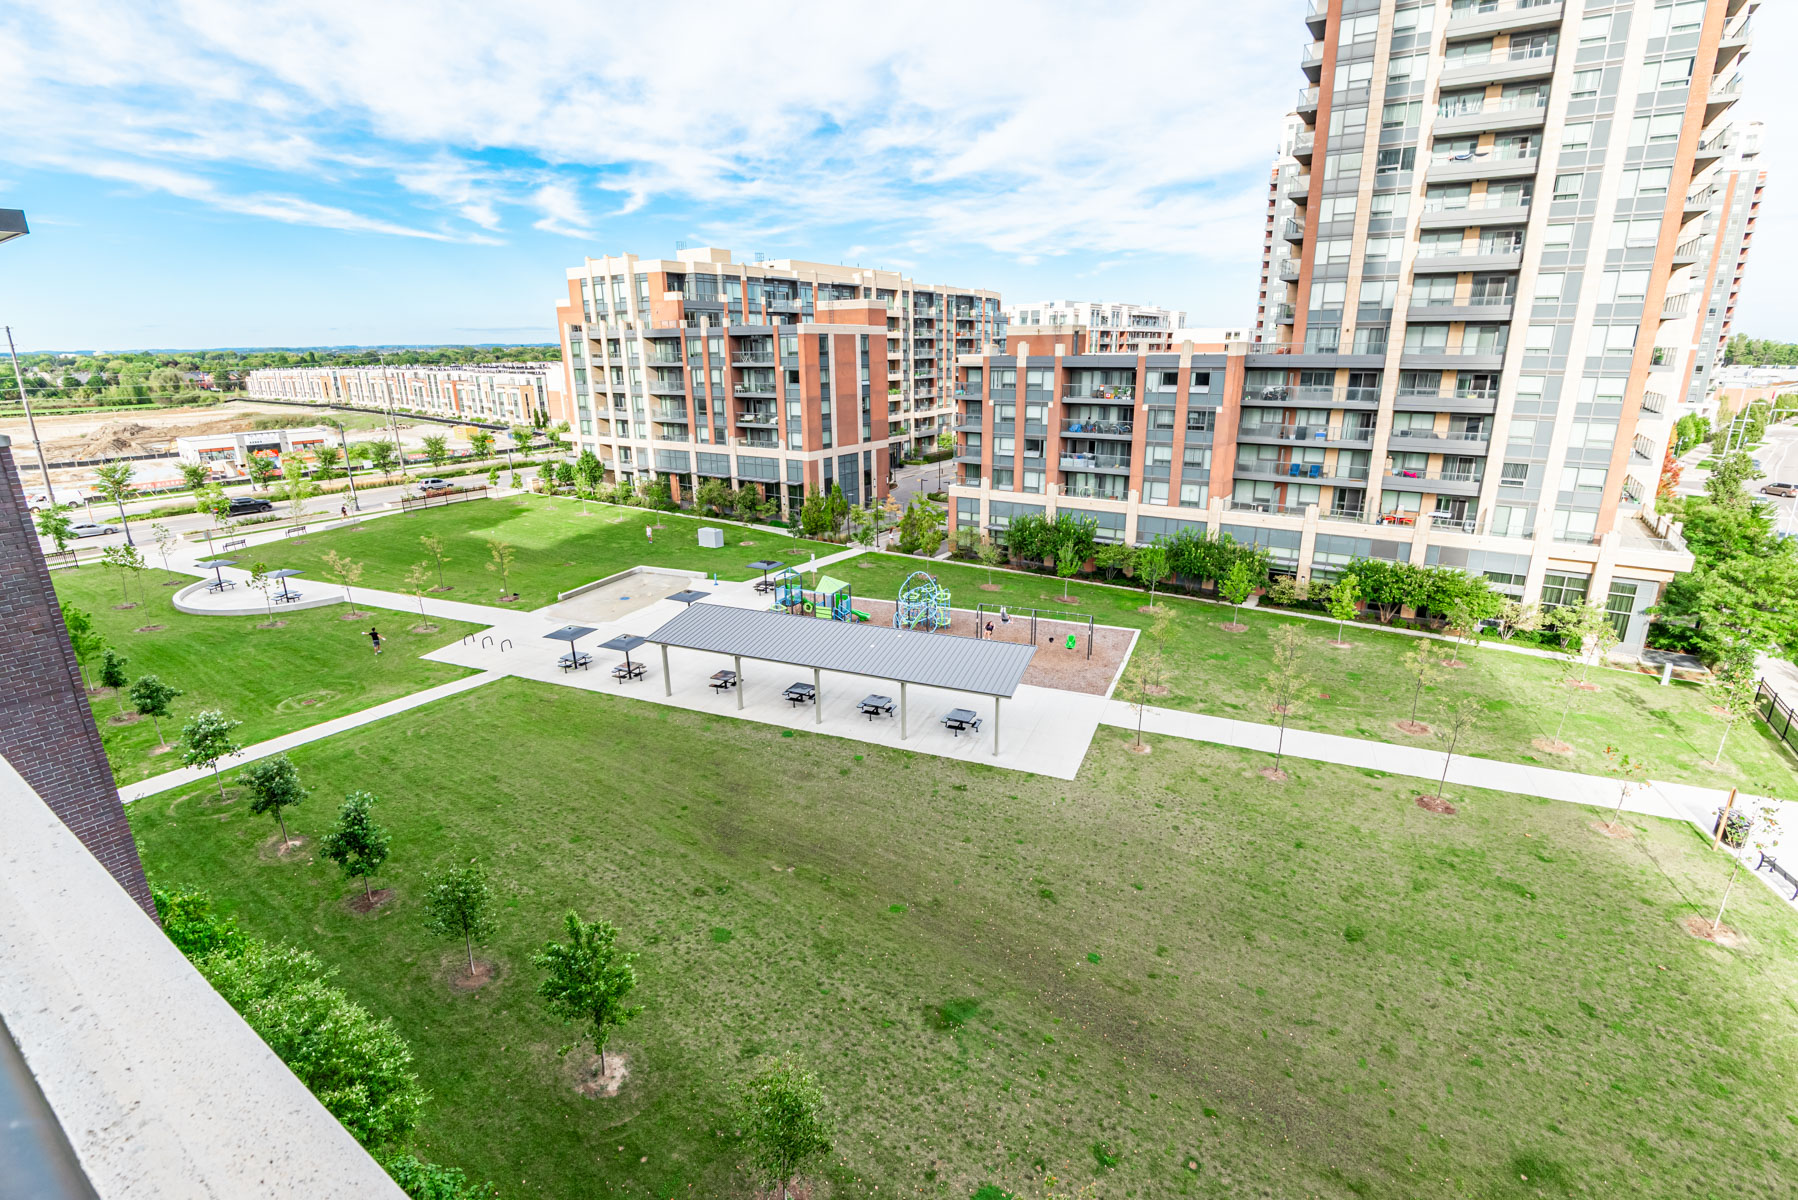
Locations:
1451 362
1468 216
1438 443
1483 167
1447 404
1458 312
1455 264
1498 70
1491 119
1423 481
1510 17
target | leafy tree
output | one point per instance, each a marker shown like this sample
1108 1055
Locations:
500 558
1152 565
864 525
1630 773
1114 557
1236 587
522 436
1341 603
1147 672
713 495
1461 720
783 1123
481 443
1766 839
112 669
493 477
1284 686
356 843
1069 558
113 481
814 515
991 554
273 784
327 463
84 639
592 472
921 528
206 739
836 506
346 573
54 523
434 547
1467 611
381 455
127 562
587 979
1735 689
418 576
195 476
1421 665
151 698
260 582
1514 617
436 448
565 474
747 502
1586 633
261 468
295 487
458 903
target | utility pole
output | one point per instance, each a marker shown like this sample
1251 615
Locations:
399 447
42 466
349 467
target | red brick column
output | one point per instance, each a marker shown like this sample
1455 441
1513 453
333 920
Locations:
47 731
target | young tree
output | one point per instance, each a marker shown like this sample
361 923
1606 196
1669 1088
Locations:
991 554
346 573
260 582
381 455
592 472
1516 617
564 473
195 476
434 547
1421 664
1766 839
84 639
151 698
1630 773
711 496
522 436
480 442
836 507
127 561
206 739
261 468
921 528
1152 565
356 843
1461 719
814 515
1735 689
1341 604
1114 557
587 979
273 784
1285 684
327 462
295 487
1586 634
112 675
1465 612
459 904
165 540
783 1122
1070 556
113 481
54 523
1236 586
864 525
501 556
1148 666
417 578
436 448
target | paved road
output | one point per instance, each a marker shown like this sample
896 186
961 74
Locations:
915 480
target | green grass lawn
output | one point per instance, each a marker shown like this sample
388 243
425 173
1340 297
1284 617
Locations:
1212 671
559 546
317 667
1166 977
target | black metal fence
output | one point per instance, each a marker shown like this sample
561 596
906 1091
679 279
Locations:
1779 715
444 496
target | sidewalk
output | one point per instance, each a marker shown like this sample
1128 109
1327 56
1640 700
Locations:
1675 801
313 733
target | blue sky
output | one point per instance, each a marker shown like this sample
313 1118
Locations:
208 172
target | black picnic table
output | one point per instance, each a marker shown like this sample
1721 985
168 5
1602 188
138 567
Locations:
220 583
800 693
287 596
874 706
627 670
723 681
765 565
574 659
961 719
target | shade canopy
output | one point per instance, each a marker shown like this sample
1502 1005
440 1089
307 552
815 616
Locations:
941 660
624 641
689 596
214 564
569 633
766 564
283 573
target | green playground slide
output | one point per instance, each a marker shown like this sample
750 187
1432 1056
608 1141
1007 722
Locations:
858 614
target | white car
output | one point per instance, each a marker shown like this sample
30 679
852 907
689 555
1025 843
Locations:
431 485
83 529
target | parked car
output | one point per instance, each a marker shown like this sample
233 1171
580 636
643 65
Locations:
45 499
244 505
432 484
83 529
1781 489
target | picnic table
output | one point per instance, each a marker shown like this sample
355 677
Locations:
575 661
765 565
800 693
625 672
723 681
874 706
219 583
961 720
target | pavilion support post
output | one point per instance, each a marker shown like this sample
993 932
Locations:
817 698
902 710
998 703
737 665
667 684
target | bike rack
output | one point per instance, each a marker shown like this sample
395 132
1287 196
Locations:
485 642
467 638
505 644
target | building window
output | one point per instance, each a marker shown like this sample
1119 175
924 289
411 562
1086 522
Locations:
1558 590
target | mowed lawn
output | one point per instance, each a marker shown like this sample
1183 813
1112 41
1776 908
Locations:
316 667
1361 691
557 544
1167 977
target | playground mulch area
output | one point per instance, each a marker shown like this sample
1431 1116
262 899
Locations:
1055 666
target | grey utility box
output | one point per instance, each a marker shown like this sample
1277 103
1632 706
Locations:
711 538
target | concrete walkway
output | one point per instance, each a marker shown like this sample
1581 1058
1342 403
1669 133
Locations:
313 733
1675 801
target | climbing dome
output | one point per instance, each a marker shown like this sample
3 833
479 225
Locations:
923 603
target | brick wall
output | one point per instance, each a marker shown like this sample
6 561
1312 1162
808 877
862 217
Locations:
47 732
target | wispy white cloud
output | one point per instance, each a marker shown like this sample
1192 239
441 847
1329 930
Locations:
562 211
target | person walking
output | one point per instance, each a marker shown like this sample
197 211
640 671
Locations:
650 533
374 636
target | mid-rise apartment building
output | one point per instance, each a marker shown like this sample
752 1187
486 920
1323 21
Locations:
1278 266
1096 328
783 374
1490 319
1727 237
495 393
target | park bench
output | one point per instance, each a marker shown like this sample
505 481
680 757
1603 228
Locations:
235 544
1772 864
295 529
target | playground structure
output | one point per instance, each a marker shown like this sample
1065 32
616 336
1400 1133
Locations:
1054 623
830 599
923 603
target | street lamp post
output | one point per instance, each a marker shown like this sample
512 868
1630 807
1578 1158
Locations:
349 467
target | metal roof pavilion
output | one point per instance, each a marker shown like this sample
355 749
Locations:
908 656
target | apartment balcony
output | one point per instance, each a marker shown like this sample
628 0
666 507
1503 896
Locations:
970 459
1121 430
1311 60
1404 440
1279 472
1700 201
756 442
1258 506
1307 104
1302 147
1292 231
1441 483
1287 270
1504 16
1452 360
1653 402
1310 435
667 387
1317 17
755 389
1108 464
1484 403
1484 165
1710 150
970 423
758 418
1676 306
1108 393
1472 311
672 416
1721 96
1473 210
1286 396
1348 513
1524 63
786 306
1687 252
1732 46
1297 186
1491 116
1456 264
754 359
1285 314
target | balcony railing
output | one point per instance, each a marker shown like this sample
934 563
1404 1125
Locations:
752 360
1344 513
1483 154
1095 462
1307 433
1432 435
1121 393
1481 107
1284 510
1436 476
1288 394
755 389
1099 428
1487 7
1441 520
1474 203
1086 491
